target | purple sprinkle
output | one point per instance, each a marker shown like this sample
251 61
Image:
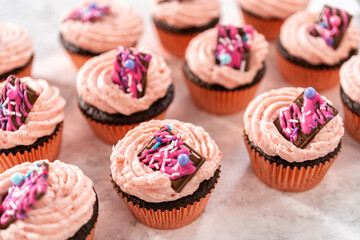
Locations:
294 132
329 116
170 165
311 126
21 95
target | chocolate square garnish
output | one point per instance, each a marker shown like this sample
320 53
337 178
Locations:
234 44
144 61
331 25
16 101
303 139
197 160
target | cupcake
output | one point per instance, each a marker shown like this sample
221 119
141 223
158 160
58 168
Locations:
293 137
97 26
31 117
179 21
16 51
350 95
312 47
122 88
165 172
46 200
268 16
224 66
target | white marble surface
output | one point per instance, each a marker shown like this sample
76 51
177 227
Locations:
241 207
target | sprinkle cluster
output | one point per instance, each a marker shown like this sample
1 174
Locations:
168 155
331 24
233 46
130 67
92 12
24 193
14 104
313 112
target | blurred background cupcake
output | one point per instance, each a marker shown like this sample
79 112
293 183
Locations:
292 137
224 66
97 26
350 95
31 117
313 46
178 21
16 51
121 88
165 172
268 16
38 199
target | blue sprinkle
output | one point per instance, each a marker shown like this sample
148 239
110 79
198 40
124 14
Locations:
17 178
156 145
310 92
158 139
169 127
315 119
124 80
183 159
324 24
244 38
225 58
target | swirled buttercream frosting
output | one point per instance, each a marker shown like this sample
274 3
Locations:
350 78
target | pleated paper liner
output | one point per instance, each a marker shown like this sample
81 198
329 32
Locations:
111 133
170 217
352 123
24 71
220 100
41 149
286 177
78 59
270 28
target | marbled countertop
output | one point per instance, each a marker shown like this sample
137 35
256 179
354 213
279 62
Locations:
241 207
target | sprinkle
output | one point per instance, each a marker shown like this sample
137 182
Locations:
286 108
139 87
311 126
13 205
166 174
156 145
152 161
167 159
158 139
308 112
166 153
163 166
242 66
329 116
288 130
175 174
10 212
168 136
156 165
293 121
173 150
175 168
294 132
196 155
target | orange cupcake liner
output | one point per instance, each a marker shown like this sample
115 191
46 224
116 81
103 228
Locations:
270 28
173 43
92 233
219 101
111 134
78 59
48 150
299 76
25 72
285 178
352 123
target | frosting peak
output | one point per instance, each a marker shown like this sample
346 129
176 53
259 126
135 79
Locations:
350 78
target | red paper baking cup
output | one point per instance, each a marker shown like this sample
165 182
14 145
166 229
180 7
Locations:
48 150
285 178
352 123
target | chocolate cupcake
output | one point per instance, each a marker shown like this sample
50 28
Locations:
122 88
313 46
97 26
31 117
350 95
224 66
268 16
16 51
177 22
40 199
165 172
293 137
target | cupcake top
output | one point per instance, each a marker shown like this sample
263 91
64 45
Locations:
350 78
185 13
279 9
24 120
15 47
62 197
259 125
136 176
295 37
101 25
202 61
100 81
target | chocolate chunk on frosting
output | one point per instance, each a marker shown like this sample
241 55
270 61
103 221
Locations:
130 71
16 101
304 118
233 46
167 153
331 25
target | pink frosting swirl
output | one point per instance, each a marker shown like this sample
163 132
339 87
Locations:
296 39
186 14
350 78
15 47
275 8
67 204
258 123
48 111
137 179
122 26
200 58
95 85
